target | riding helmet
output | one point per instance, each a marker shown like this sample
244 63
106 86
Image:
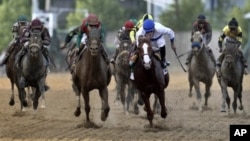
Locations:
201 17
22 18
129 25
147 16
233 23
92 19
148 25
36 24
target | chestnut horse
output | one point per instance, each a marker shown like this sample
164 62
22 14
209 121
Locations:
92 72
149 77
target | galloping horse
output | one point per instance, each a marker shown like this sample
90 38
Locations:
122 71
32 71
232 70
149 77
10 70
92 72
201 68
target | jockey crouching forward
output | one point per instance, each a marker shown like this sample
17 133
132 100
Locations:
122 35
202 25
232 30
92 21
37 27
17 29
155 31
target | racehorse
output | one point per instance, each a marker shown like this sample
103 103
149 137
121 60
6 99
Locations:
10 69
149 77
32 71
92 72
201 68
122 71
232 70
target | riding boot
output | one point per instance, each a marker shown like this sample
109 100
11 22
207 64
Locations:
5 59
45 53
112 60
19 56
218 64
188 60
244 61
163 57
210 52
132 72
8 52
74 59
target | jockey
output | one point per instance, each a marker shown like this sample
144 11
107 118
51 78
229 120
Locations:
69 36
137 26
155 31
202 25
35 26
22 22
121 36
92 21
232 30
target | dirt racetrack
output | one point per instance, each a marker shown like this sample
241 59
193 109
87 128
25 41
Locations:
57 121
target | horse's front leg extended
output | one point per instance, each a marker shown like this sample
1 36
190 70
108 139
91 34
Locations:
86 102
225 98
207 93
78 96
198 92
105 103
161 96
12 97
150 113
239 91
22 96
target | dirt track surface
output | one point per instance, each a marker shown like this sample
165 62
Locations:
57 121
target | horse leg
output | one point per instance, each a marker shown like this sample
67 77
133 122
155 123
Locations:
198 92
131 98
22 96
156 105
225 97
36 98
105 105
150 113
87 106
12 98
191 84
161 98
240 98
78 108
120 88
207 93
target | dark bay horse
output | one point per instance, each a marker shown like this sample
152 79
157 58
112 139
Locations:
32 71
92 72
201 68
149 77
122 72
232 71
10 69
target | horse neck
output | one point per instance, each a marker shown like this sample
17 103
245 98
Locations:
93 61
35 60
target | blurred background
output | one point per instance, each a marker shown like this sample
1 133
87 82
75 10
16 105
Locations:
61 16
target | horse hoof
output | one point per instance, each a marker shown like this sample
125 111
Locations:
241 108
104 115
223 111
164 115
77 112
12 102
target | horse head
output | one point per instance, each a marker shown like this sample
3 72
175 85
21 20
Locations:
231 49
94 41
145 52
35 44
197 42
